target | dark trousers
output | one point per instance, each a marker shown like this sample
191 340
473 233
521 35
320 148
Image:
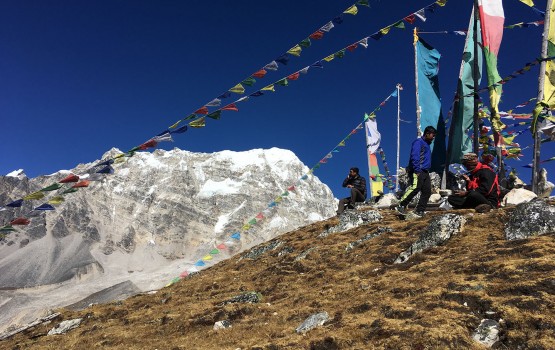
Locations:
470 201
356 196
418 183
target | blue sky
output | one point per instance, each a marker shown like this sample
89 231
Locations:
77 78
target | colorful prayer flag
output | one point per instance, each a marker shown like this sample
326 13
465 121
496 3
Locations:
353 10
238 89
295 50
199 123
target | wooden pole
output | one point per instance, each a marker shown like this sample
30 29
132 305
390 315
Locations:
399 88
541 79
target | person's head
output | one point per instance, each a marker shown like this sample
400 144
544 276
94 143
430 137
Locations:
353 171
429 134
469 160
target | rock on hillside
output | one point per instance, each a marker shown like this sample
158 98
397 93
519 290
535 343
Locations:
322 288
157 212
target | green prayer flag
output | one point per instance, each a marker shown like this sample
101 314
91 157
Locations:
250 81
400 25
214 251
305 43
283 82
7 228
363 3
252 222
340 54
70 190
215 115
52 187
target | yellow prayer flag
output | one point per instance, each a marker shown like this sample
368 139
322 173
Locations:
443 2
207 257
35 195
329 58
353 10
56 200
238 89
176 124
199 123
528 2
295 50
342 143
269 88
385 30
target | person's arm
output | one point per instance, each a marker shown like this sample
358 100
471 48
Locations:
347 181
415 157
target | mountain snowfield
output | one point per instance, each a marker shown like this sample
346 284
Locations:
145 224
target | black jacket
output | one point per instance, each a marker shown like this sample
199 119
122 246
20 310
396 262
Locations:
358 182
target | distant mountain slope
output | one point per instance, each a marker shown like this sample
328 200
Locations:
153 218
435 300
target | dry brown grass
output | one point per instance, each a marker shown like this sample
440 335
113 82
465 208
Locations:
433 301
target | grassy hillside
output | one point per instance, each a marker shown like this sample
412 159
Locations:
435 300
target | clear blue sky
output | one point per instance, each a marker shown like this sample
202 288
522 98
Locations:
77 77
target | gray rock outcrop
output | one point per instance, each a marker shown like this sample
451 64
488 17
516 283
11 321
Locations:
313 321
530 219
440 229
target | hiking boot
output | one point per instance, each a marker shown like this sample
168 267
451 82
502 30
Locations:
401 209
414 215
483 208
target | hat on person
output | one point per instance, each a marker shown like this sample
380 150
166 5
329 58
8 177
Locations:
469 158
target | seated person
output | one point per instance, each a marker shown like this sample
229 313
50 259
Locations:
482 187
357 184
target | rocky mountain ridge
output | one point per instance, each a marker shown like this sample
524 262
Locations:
146 223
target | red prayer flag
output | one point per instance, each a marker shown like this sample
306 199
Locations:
70 178
291 188
203 110
410 18
149 144
84 183
260 216
230 107
260 74
352 47
317 35
293 76
221 246
20 221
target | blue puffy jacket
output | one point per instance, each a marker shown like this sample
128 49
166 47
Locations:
420 156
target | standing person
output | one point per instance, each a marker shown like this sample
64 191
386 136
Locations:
357 184
420 161
482 187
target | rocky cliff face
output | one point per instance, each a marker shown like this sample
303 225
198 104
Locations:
157 213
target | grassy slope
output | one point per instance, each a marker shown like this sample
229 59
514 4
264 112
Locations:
433 301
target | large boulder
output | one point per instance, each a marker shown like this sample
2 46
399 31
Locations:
530 219
440 229
517 196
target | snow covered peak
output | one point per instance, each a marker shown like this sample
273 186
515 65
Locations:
17 173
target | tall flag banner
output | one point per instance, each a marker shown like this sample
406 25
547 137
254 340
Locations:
547 126
492 19
373 138
463 109
429 100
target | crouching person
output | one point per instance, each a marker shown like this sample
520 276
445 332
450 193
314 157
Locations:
357 184
482 187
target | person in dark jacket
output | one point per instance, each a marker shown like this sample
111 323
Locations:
357 184
482 187
420 161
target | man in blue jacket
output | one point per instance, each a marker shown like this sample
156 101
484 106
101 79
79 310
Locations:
420 162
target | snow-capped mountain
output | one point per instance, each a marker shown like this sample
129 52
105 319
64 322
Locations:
150 220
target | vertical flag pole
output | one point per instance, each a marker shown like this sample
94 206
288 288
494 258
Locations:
399 88
418 131
475 144
537 136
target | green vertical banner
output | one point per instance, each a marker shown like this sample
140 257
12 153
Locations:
462 119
